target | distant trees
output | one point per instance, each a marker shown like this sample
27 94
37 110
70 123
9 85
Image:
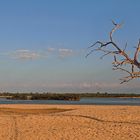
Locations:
62 96
44 96
122 60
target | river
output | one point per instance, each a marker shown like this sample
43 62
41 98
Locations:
83 101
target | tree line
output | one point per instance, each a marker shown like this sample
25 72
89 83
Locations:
63 96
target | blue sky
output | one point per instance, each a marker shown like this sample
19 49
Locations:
43 44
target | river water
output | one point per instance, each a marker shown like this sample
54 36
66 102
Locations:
83 101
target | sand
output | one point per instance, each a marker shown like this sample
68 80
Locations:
69 122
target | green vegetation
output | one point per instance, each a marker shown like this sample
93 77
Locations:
62 96
107 95
41 96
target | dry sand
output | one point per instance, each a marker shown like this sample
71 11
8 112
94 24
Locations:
69 122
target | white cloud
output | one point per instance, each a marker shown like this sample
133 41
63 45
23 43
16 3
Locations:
65 52
85 85
25 54
68 87
50 49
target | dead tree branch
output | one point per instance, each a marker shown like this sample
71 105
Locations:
122 61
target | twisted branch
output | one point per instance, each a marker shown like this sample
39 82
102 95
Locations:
121 58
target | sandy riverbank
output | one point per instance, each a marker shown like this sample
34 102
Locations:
69 122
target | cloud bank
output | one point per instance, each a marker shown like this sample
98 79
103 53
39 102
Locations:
50 52
25 55
65 52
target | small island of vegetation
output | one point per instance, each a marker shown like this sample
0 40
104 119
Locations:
64 96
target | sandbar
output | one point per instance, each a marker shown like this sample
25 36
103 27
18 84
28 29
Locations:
69 122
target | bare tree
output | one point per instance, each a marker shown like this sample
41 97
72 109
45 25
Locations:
122 61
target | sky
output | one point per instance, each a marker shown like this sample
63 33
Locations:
43 44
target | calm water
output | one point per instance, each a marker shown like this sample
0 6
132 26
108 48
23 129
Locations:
83 101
